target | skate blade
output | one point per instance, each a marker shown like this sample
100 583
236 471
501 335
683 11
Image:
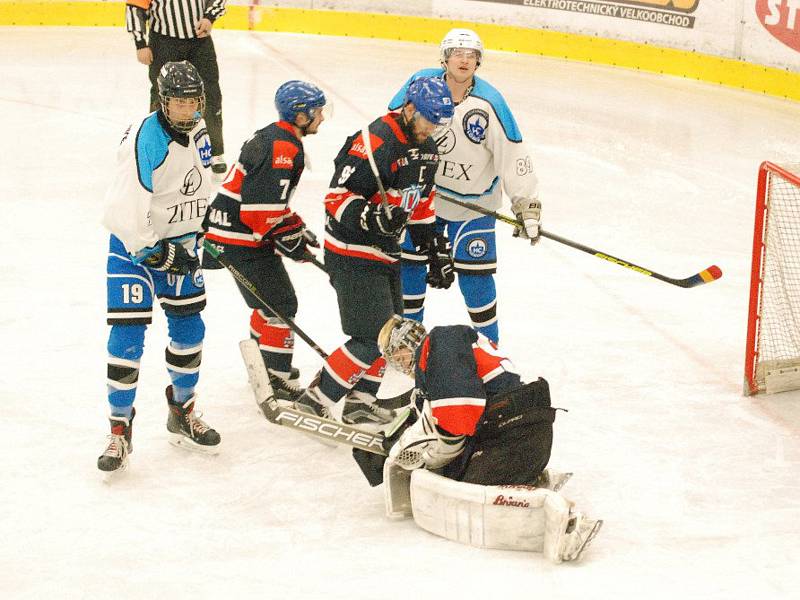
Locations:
590 536
181 441
111 476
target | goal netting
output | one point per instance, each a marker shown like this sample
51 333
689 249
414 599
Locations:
772 362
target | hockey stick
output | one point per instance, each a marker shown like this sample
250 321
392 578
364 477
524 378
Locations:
708 275
371 157
217 255
326 429
309 257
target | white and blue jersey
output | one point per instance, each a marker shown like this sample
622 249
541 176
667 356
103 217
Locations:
481 154
162 184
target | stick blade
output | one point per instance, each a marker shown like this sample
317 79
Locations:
708 275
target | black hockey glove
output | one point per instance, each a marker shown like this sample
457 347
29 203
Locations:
173 258
383 221
440 264
292 239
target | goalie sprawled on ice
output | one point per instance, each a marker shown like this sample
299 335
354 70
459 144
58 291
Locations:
470 463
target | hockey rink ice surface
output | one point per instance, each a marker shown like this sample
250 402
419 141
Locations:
699 486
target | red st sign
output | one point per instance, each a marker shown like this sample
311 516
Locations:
782 19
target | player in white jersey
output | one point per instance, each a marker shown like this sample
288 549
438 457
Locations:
155 208
481 155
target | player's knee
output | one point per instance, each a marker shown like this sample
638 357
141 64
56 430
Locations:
364 349
188 329
126 341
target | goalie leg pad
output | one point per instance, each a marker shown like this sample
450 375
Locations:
505 517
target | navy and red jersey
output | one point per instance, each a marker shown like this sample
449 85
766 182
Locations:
457 369
407 172
255 195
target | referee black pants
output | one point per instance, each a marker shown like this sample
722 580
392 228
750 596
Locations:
200 52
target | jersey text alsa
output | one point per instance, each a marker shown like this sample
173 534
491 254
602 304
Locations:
162 183
482 149
407 173
255 196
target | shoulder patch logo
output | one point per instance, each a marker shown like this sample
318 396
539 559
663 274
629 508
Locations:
283 154
358 148
203 145
475 123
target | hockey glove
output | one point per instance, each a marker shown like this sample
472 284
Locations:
172 257
292 239
424 445
383 221
529 214
440 264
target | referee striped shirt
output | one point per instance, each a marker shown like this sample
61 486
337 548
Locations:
171 18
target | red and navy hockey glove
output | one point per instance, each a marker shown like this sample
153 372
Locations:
440 264
381 221
292 239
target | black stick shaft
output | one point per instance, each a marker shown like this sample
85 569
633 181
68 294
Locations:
708 275
218 256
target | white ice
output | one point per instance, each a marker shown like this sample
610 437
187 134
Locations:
697 484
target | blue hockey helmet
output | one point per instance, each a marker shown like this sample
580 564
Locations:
295 97
432 99
181 80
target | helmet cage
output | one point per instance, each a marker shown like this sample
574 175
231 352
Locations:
181 81
398 341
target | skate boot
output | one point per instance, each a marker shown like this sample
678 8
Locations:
552 480
115 457
581 530
187 429
365 412
286 390
312 403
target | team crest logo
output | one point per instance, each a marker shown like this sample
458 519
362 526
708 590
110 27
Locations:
475 123
477 248
191 182
197 278
446 142
203 144
411 197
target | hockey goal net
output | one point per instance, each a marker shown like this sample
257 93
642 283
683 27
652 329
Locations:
772 359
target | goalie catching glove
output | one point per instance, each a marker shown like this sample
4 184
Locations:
528 212
440 264
424 445
292 239
170 256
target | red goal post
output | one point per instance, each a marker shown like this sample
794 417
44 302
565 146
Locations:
772 356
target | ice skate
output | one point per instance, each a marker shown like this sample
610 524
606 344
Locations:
580 532
552 480
286 390
115 457
365 412
310 402
187 429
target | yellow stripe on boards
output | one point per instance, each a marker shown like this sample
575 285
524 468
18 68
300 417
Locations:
570 46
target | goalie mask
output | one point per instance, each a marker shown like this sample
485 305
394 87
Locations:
182 95
398 340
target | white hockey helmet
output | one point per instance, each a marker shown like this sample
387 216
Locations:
460 38
398 341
